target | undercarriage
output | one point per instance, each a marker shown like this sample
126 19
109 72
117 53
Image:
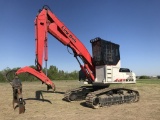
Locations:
100 97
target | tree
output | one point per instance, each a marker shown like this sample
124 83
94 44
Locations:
53 72
144 77
2 77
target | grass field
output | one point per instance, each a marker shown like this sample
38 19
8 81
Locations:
148 81
52 107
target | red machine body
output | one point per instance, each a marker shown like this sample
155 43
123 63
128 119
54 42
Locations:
46 22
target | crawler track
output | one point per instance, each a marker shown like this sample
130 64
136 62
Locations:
96 98
77 93
107 97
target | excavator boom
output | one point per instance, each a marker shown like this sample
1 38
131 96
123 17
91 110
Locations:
47 22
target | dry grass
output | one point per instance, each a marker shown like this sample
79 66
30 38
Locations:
54 108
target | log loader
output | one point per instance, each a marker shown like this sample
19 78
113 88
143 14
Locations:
100 70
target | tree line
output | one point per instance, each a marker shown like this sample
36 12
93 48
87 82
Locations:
148 77
52 72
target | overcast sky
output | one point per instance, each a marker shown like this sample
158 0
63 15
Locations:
133 24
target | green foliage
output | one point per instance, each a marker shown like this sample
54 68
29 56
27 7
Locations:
148 81
144 77
2 74
2 78
53 73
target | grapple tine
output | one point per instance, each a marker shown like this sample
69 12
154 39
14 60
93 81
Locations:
15 101
52 86
13 104
14 107
21 108
21 102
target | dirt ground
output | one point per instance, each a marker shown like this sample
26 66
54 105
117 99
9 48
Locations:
52 107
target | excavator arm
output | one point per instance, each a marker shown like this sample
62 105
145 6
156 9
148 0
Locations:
46 22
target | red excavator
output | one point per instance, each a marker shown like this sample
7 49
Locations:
100 70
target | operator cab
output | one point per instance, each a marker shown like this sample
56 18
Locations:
104 52
106 59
